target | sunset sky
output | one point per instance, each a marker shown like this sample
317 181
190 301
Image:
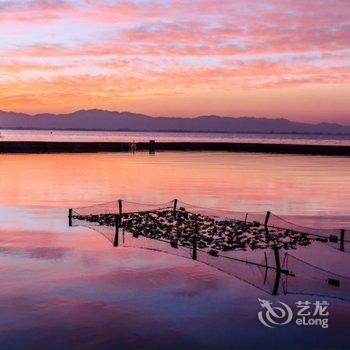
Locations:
272 58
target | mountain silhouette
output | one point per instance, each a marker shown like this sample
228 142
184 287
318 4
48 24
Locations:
95 119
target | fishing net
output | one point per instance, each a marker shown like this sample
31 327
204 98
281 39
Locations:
222 213
312 280
254 268
247 246
106 227
333 237
154 244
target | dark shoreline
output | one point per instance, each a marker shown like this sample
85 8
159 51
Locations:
175 131
92 147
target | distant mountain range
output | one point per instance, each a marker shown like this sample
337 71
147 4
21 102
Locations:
95 119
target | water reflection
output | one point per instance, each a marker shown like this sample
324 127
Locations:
245 182
68 288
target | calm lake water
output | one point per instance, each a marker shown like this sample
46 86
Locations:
65 287
118 136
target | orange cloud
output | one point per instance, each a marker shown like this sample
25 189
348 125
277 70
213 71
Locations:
128 53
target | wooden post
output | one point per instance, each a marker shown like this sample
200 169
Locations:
277 258
277 283
70 217
342 238
246 217
267 233
267 218
278 270
194 251
120 204
177 230
174 240
266 267
195 237
175 206
173 243
116 225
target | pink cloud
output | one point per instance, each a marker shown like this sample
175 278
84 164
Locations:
103 50
32 11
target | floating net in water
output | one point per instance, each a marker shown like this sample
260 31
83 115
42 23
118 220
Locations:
108 231
240 244
119 206
212 232
256 270
334 237
312 280
277 225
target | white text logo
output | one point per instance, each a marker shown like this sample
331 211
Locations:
307 313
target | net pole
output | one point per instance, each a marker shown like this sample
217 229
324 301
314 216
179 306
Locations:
175 206
278 270
342 237
120 204
70 214
195 237
277 258
266 268
175 235
267 218
267 233
116 225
